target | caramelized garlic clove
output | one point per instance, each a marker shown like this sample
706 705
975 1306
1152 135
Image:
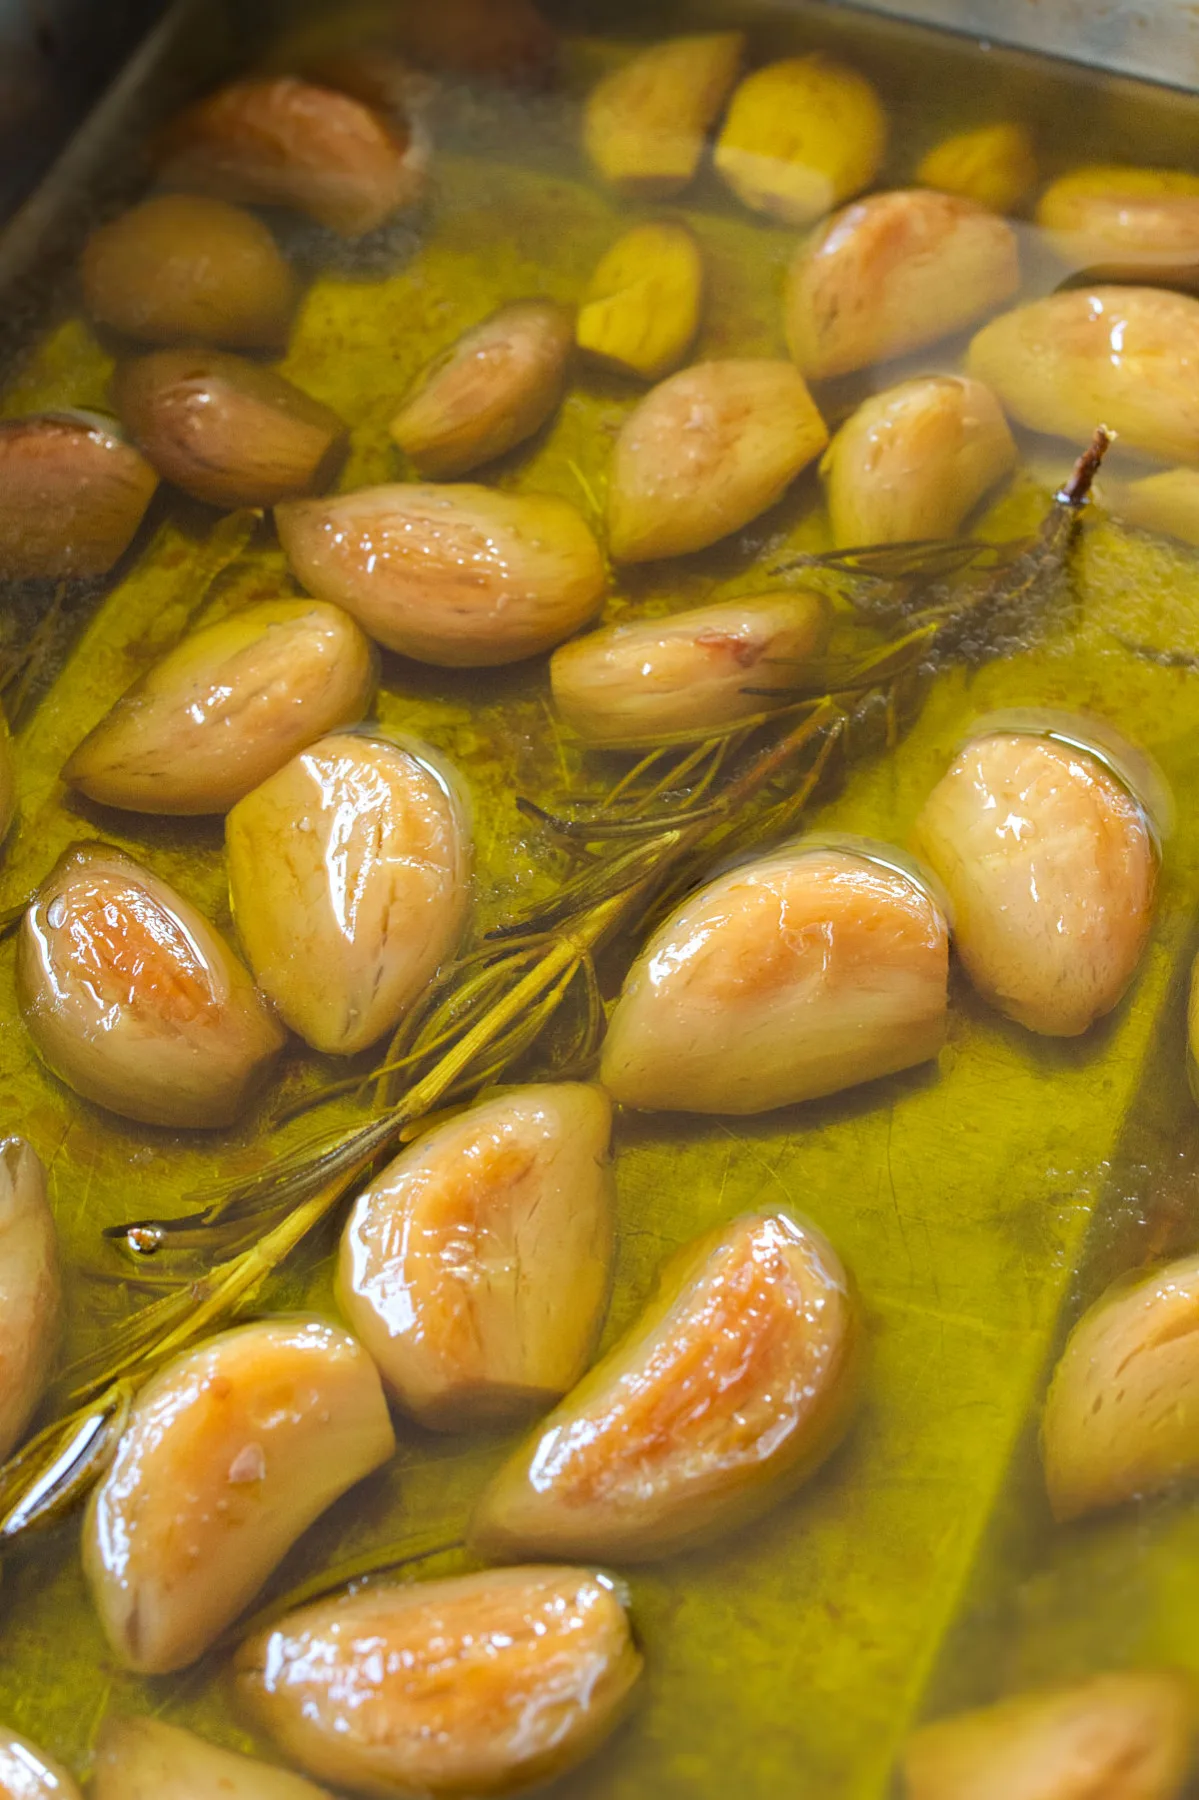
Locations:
645 124
227 708
642 308
146 1759
627 685
349 874
496 387
459 576
134 1000
230 1453
804 972
893 273
475 1269
735 1384
183 269
72 495
27 1773
30 1292
705 452
914 461
802 136
995 166
1133 218
1167 503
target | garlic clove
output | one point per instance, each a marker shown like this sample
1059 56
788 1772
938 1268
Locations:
72 495
30 1293
230 1453
458 576
802 136
642 308
994 165
27 1773
1135 218
736 1383
146 1759
705 452
475 1269
475 1685
645 124
1167 503
133 999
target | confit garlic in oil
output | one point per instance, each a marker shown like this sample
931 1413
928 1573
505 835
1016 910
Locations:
72 496
642 308
146 1759
27 1773
1135 219
645 125
30 1289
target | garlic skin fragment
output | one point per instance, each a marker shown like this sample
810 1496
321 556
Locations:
1127 1735
227 708
349 875
231 1452
645 125
628 685
475 1685
705 452
893 273
642 309
145 1759
995 166
134 1000
804 972
1051 866
72 495
459 576
802 136
1146 219
914 461
30 1293
475 1269
736 1383
27 1773
493 389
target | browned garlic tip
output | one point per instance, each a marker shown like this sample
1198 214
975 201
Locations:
645 124
72 495
801 137
146 1759
30 1292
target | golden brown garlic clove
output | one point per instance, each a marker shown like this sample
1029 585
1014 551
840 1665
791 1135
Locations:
994 165
230 1453
459 576
1167 503
183 269
146 1759
735 1384
134 1000
72 495
802 136
27 1773
30 1293
893 273
645 125
493 389
1127 217
475 1685
642 308
475 1269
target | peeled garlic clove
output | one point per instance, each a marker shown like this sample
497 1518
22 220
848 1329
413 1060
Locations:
227 431
495 388
1125 356
914 461
72 495
642 309
476 1685
227 708
1050 861
349 877
804 972
893 273
145 1759
475 1269
182 269
230 1453
1167 503
462 577
705 452
30 1293
1128 1735
630 684
995 166
27 1773
735 1384
645 124
279 141
134 1000
802 136
1135 218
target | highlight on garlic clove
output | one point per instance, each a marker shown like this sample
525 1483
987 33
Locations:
72 495
629 685
1042 832
801 137
893 273
705 452
182 269
646 124
146 1759
642 309
459 576
230 1453
475 1685
736 1383
993 165
227 431
476 1268
27 1773
134 1000
1167 503
1129 1735
30 1293
349 875
1133 218
493 389
227 708
914 461
819 966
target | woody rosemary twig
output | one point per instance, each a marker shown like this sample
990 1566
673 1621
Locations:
692 801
